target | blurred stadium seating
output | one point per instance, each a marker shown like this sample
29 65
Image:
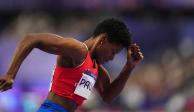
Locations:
164 29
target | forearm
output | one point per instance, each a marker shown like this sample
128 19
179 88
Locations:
108 90
118 84
21 52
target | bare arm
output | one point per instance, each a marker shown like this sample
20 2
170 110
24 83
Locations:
107 90
50 43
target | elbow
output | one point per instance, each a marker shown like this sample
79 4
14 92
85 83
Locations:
30 40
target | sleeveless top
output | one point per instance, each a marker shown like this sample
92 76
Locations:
75 83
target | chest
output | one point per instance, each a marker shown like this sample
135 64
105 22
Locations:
68 62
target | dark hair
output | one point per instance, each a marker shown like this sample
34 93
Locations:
116 30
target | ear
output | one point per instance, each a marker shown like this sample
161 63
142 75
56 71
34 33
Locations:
103 38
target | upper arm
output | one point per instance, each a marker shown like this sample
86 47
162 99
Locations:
58 45
103 81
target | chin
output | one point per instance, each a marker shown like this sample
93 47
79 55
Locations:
103 62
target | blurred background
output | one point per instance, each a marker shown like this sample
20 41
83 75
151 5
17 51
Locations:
164 29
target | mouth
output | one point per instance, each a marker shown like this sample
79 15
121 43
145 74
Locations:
106 60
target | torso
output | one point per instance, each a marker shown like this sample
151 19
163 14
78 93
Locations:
66 63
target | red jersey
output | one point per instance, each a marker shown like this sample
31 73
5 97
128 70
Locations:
75 83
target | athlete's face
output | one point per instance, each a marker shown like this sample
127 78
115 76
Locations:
106 51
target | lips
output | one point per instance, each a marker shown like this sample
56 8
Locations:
106 60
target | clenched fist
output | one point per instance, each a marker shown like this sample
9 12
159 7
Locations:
134 55
6 83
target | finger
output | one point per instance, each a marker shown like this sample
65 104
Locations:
142 56
135 48
137 55
11 81
138 58
140 53
2 79
6 89
134 45
1 82
2 86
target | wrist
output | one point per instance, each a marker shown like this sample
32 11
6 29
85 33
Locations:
129 65
11 76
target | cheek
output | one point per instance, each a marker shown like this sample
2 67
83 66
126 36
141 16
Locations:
102 53
99 53
105 52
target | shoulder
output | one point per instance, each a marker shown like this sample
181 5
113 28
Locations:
75 44
56 44
76 47
77 52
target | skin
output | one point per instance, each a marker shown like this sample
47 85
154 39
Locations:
72 53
